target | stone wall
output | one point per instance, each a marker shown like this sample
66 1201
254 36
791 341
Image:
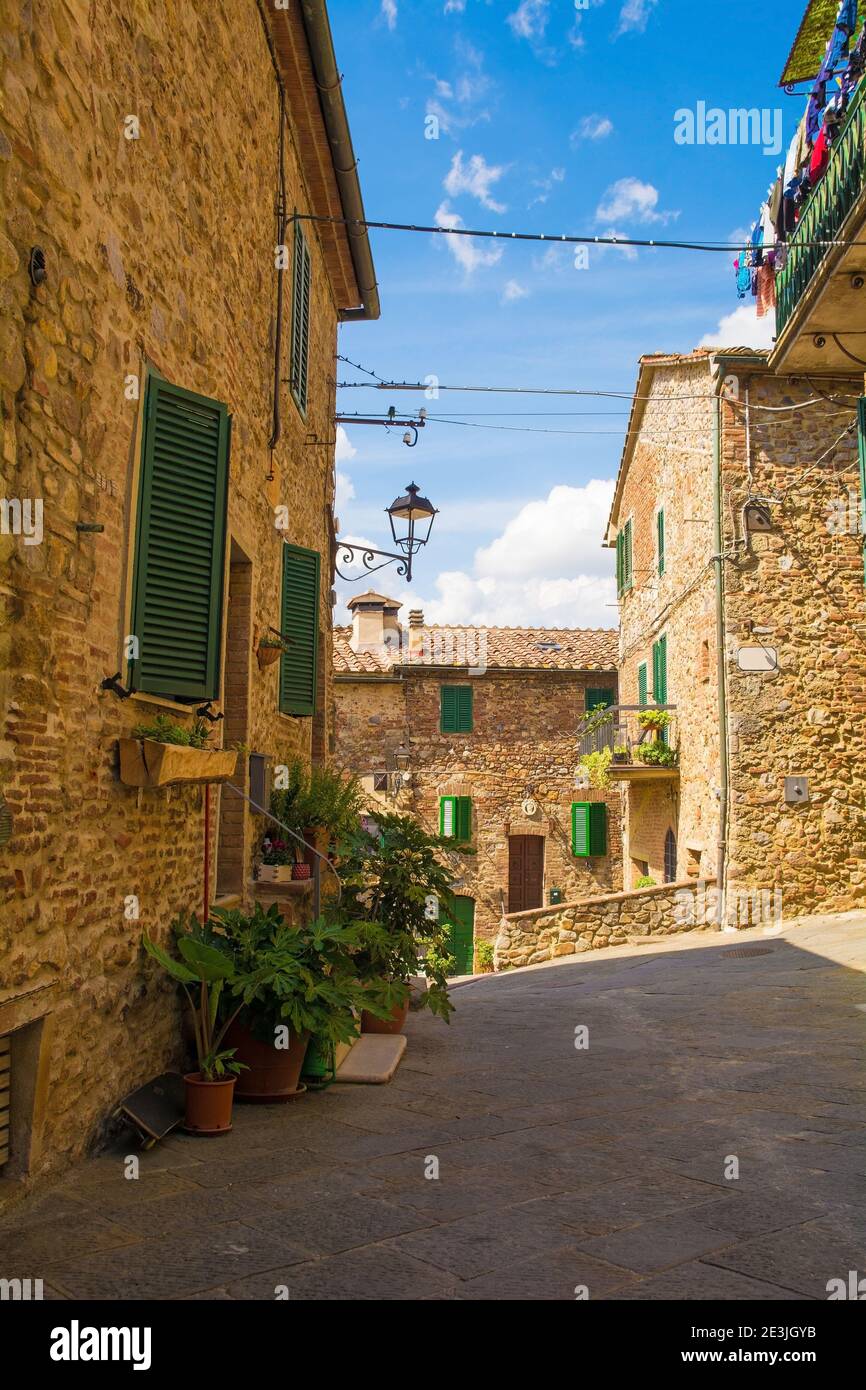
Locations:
160 254
523 743
589 924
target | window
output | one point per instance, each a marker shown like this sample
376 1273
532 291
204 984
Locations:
301 277
179 564
624 567
670 857
660 540
299 624
380 781
596 698
455 817
642 687
588 828
455 709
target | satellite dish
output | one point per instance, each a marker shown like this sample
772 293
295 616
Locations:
530 806
5 821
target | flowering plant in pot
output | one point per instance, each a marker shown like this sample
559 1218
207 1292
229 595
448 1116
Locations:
396 882
290 984
270 649
204 971
278 857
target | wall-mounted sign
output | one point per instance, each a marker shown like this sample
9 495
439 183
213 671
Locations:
757 659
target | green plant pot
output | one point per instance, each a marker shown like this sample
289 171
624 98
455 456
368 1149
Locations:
319 1067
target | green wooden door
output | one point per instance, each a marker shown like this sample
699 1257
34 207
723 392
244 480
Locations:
462 934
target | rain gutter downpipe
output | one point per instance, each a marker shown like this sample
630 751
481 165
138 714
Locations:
719 567
329 83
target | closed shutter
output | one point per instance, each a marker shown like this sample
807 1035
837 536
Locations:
455 709
660 529
5 1096
861 445
588 828
299 625
461 934
180 546
642 688
595 698
301 277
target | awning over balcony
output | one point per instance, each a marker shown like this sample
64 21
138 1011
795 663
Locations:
807 52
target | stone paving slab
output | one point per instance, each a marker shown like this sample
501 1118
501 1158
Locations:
502 1163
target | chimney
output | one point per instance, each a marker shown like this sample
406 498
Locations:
375 624
416 632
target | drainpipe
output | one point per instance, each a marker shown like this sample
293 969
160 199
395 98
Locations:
718 564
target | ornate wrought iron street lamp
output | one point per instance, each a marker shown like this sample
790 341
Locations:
408 515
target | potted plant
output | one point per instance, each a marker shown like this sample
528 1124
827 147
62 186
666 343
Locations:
290 984
163 753
654 720
396 882
657 754
620 754
321 804
203 972
277 861
269 650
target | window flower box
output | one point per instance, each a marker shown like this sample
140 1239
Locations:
146 763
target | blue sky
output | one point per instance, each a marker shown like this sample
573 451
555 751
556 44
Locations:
551 119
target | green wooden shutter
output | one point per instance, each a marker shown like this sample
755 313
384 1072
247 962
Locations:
660 670
455 709
588 828
594 697
299 624
660 529
627 567
619 583
461 935
642 683
464 817
455 817
179 569
861 445
301 279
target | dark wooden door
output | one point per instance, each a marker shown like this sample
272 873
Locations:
525 872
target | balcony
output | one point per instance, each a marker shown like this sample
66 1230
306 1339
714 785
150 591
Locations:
643 741
821 292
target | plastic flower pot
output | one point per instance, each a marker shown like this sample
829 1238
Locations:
276 873
272 1072
208 1104
301 871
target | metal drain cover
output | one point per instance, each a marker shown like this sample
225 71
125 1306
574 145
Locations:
739 952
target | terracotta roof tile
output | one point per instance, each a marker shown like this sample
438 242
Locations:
535 648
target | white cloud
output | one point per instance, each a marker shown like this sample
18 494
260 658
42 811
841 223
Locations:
742 328
592 128
629 252
475 178
529 20
345 449
513 291
455 6
458 103
547 568
464 250
389 13
634 16
630 199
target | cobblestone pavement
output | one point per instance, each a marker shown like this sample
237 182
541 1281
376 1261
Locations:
559 1166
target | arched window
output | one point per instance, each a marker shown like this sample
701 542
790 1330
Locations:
670 857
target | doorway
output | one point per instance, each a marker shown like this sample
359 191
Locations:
461 944
525 872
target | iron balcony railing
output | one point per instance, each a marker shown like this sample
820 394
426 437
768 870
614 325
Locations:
620 728
825 210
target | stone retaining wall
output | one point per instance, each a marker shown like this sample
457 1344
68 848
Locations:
525 938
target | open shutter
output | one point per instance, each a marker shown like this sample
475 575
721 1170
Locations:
660 529
180 545
301 277
861 445
660 671
627 556
299 624
447 816
642 688
619 583
5 1096
580 828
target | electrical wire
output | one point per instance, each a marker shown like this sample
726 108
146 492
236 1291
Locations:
581 392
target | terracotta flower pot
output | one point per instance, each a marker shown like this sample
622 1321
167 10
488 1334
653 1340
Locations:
266 656
273 1072
395 1024
208 1104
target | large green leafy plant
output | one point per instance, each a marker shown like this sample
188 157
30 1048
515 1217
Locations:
204 971
318 797
395 881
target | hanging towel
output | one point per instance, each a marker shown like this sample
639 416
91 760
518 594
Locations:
766 290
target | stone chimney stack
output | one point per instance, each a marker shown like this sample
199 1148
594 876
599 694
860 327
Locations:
416 632
375 624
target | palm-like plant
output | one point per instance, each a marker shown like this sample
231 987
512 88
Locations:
207 969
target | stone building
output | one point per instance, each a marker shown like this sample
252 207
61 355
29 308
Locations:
167 377
736 520
473 731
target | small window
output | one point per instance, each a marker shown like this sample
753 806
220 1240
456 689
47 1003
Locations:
598 698
588 828
455 818
380 781
670 857
455 709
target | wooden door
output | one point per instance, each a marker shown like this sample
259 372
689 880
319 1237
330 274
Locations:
462 934
525 872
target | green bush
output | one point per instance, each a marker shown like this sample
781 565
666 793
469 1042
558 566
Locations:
164 730
484 956
596 766
645 881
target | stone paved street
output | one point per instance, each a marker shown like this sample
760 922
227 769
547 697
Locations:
558 1167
